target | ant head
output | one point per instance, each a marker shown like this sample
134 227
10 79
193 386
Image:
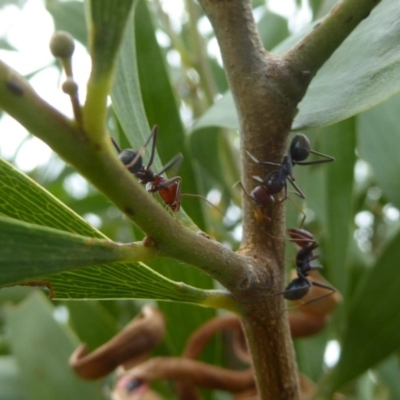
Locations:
261 196
300 148
297 289
129 155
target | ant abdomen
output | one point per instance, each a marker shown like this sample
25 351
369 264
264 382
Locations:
297 289
261 197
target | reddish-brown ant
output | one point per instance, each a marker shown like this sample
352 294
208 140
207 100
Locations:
300 286
169 189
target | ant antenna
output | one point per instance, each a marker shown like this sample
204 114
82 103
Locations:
153 135
199 196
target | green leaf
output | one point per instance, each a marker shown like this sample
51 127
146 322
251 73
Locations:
23 199
379 138
201 141
42 348
373 320
29 251
388 372
129 105
107 21
126 95
310 354
366 69
339 140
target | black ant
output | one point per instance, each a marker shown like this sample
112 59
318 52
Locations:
169 189
276 180
300 286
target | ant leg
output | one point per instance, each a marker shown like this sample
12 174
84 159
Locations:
303 220
199 196
170 196
244 190
262 162
297 189
153 135
115 145
176 205
330 288
176 160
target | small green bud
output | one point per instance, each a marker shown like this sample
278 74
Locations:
70 87
62 45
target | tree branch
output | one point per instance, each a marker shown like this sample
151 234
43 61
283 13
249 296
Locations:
266 90
316 48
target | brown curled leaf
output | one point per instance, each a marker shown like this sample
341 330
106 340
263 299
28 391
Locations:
199 339
303 325
129 347
194 373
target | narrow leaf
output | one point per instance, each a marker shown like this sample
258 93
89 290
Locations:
373 321
29 251
126 95
107 20
339 140
379 138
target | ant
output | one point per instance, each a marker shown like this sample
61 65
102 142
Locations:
300 286
169 189
276 180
